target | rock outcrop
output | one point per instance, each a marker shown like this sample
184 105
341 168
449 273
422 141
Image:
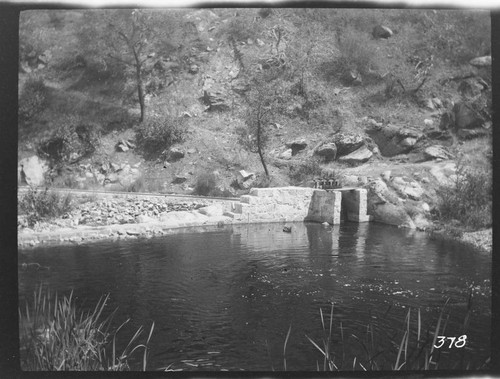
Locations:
361 155
297 145
436 152
32 171
327 151
381 31
393 139
245 179
484 61
347 143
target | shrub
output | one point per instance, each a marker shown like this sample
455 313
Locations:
206 184
304 171
33 98
54 337
71 141
240 28
42 205
137 185
470 199
157 134
357 53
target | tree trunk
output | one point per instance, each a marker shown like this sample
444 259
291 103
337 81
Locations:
259 147
140 93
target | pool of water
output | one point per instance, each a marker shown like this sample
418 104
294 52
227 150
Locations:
226 298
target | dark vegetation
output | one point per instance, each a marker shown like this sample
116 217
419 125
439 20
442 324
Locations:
206 184
469 201
39 205
33 99
156 134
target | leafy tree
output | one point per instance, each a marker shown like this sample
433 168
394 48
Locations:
125 38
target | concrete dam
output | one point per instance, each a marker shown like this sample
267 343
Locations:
289 204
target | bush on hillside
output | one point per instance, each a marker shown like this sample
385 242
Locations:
303 171
72 141
156 134
241 27
206 184
33 98
470 199
356 53
43 205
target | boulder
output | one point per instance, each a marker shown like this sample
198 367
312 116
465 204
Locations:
347 143
408 189
179 179
434 132
466 117
124 145
245 179
444 175
436 152
393 139
32 170
287 154
408 142
359 156
472 133
328 151
470 88
297 145
481 61
174 154
212 210
215 100
377 191
381 31
390 214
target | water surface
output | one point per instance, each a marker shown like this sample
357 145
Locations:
225 299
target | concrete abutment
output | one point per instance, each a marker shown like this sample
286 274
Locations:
289 204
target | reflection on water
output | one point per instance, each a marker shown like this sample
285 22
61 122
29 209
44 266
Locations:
226 298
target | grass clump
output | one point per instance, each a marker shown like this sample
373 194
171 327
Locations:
156 134
357 53
39 205
413 347
304 171
55 337
469 200
33 99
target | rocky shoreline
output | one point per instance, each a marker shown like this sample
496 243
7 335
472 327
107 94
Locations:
143 217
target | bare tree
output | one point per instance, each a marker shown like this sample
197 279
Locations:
261 107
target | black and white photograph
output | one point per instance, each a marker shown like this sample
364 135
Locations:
243 189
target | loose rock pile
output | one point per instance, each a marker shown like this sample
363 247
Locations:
120 211
127 211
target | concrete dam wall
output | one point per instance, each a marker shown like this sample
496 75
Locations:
287 204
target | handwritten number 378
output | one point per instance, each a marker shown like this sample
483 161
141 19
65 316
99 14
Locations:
454 341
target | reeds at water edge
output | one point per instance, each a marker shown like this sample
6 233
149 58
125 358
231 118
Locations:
55 337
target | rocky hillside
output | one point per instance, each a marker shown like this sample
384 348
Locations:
397 101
